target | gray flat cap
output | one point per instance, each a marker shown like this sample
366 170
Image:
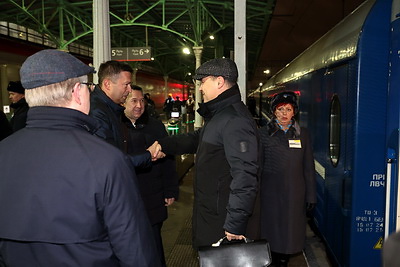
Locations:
51 66
224 67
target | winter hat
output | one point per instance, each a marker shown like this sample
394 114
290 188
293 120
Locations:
218 67
16 87
284 98
51 66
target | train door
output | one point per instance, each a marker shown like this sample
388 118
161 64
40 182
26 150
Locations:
335 87
392 205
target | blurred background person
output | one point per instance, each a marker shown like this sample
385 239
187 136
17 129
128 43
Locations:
288 180
168 106
18 103
150 106
158 184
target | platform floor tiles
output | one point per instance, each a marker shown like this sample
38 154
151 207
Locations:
177 235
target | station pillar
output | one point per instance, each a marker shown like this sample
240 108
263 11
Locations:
198 120
101 34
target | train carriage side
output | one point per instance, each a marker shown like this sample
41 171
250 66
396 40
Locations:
342 82
392 218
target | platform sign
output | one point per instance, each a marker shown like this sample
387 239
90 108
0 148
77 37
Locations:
131 53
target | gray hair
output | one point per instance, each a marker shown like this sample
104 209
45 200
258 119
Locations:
56 94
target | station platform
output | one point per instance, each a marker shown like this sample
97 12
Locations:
177 234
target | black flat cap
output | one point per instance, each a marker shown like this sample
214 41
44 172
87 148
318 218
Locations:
51 66
224 67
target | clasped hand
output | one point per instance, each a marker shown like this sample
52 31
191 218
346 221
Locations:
155 151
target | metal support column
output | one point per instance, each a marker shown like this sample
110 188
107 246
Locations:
240 54
101 34
198 120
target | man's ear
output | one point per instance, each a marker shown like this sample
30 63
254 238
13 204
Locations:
106 84
76 93
220 82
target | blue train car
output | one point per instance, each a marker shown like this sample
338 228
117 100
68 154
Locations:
348 84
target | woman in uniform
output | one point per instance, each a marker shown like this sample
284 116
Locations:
287 181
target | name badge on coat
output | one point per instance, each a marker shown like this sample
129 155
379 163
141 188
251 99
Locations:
295 143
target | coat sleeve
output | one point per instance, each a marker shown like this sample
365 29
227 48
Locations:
129 230
180 144
309 168
170 175
241 145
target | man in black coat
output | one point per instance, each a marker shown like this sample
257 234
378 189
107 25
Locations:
106 107
16 94
75 201
158 183
227 156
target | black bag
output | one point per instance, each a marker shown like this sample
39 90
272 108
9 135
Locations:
249 253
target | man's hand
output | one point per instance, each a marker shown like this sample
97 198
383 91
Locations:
230 236
169 201
155 151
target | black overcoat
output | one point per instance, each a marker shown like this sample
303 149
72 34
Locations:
227 164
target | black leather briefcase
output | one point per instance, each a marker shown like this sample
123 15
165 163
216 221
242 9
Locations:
249 253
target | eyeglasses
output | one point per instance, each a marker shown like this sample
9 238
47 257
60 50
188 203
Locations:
90 86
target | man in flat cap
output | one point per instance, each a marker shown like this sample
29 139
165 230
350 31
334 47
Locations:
16 94
227 156
75 200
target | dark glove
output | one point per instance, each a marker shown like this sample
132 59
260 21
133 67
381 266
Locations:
310 206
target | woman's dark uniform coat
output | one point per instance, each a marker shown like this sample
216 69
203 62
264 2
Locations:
287 184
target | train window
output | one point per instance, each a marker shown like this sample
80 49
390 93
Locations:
334 131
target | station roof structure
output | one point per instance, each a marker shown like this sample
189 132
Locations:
277 30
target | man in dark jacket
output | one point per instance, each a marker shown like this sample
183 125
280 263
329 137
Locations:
16 94
106 107
158 184
75 202
227 156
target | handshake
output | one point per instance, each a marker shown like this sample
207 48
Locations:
156 151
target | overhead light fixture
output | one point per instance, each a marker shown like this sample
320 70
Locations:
212 37
186 51
267 71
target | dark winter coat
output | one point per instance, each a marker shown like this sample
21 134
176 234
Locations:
287 184
75 201
5 126
227 162
160 180
18 120
109 119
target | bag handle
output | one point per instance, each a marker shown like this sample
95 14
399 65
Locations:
219 242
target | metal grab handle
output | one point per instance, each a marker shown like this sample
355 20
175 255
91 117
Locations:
219 242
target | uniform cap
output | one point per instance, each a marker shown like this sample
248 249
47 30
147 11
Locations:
284 98
15 87
218 67
51 66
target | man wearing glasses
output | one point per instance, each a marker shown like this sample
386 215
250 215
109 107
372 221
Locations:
227 157
73 202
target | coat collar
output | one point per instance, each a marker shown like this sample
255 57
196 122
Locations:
59 118
226 98
273 128
97 92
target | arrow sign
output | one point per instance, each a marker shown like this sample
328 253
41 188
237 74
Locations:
131 53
